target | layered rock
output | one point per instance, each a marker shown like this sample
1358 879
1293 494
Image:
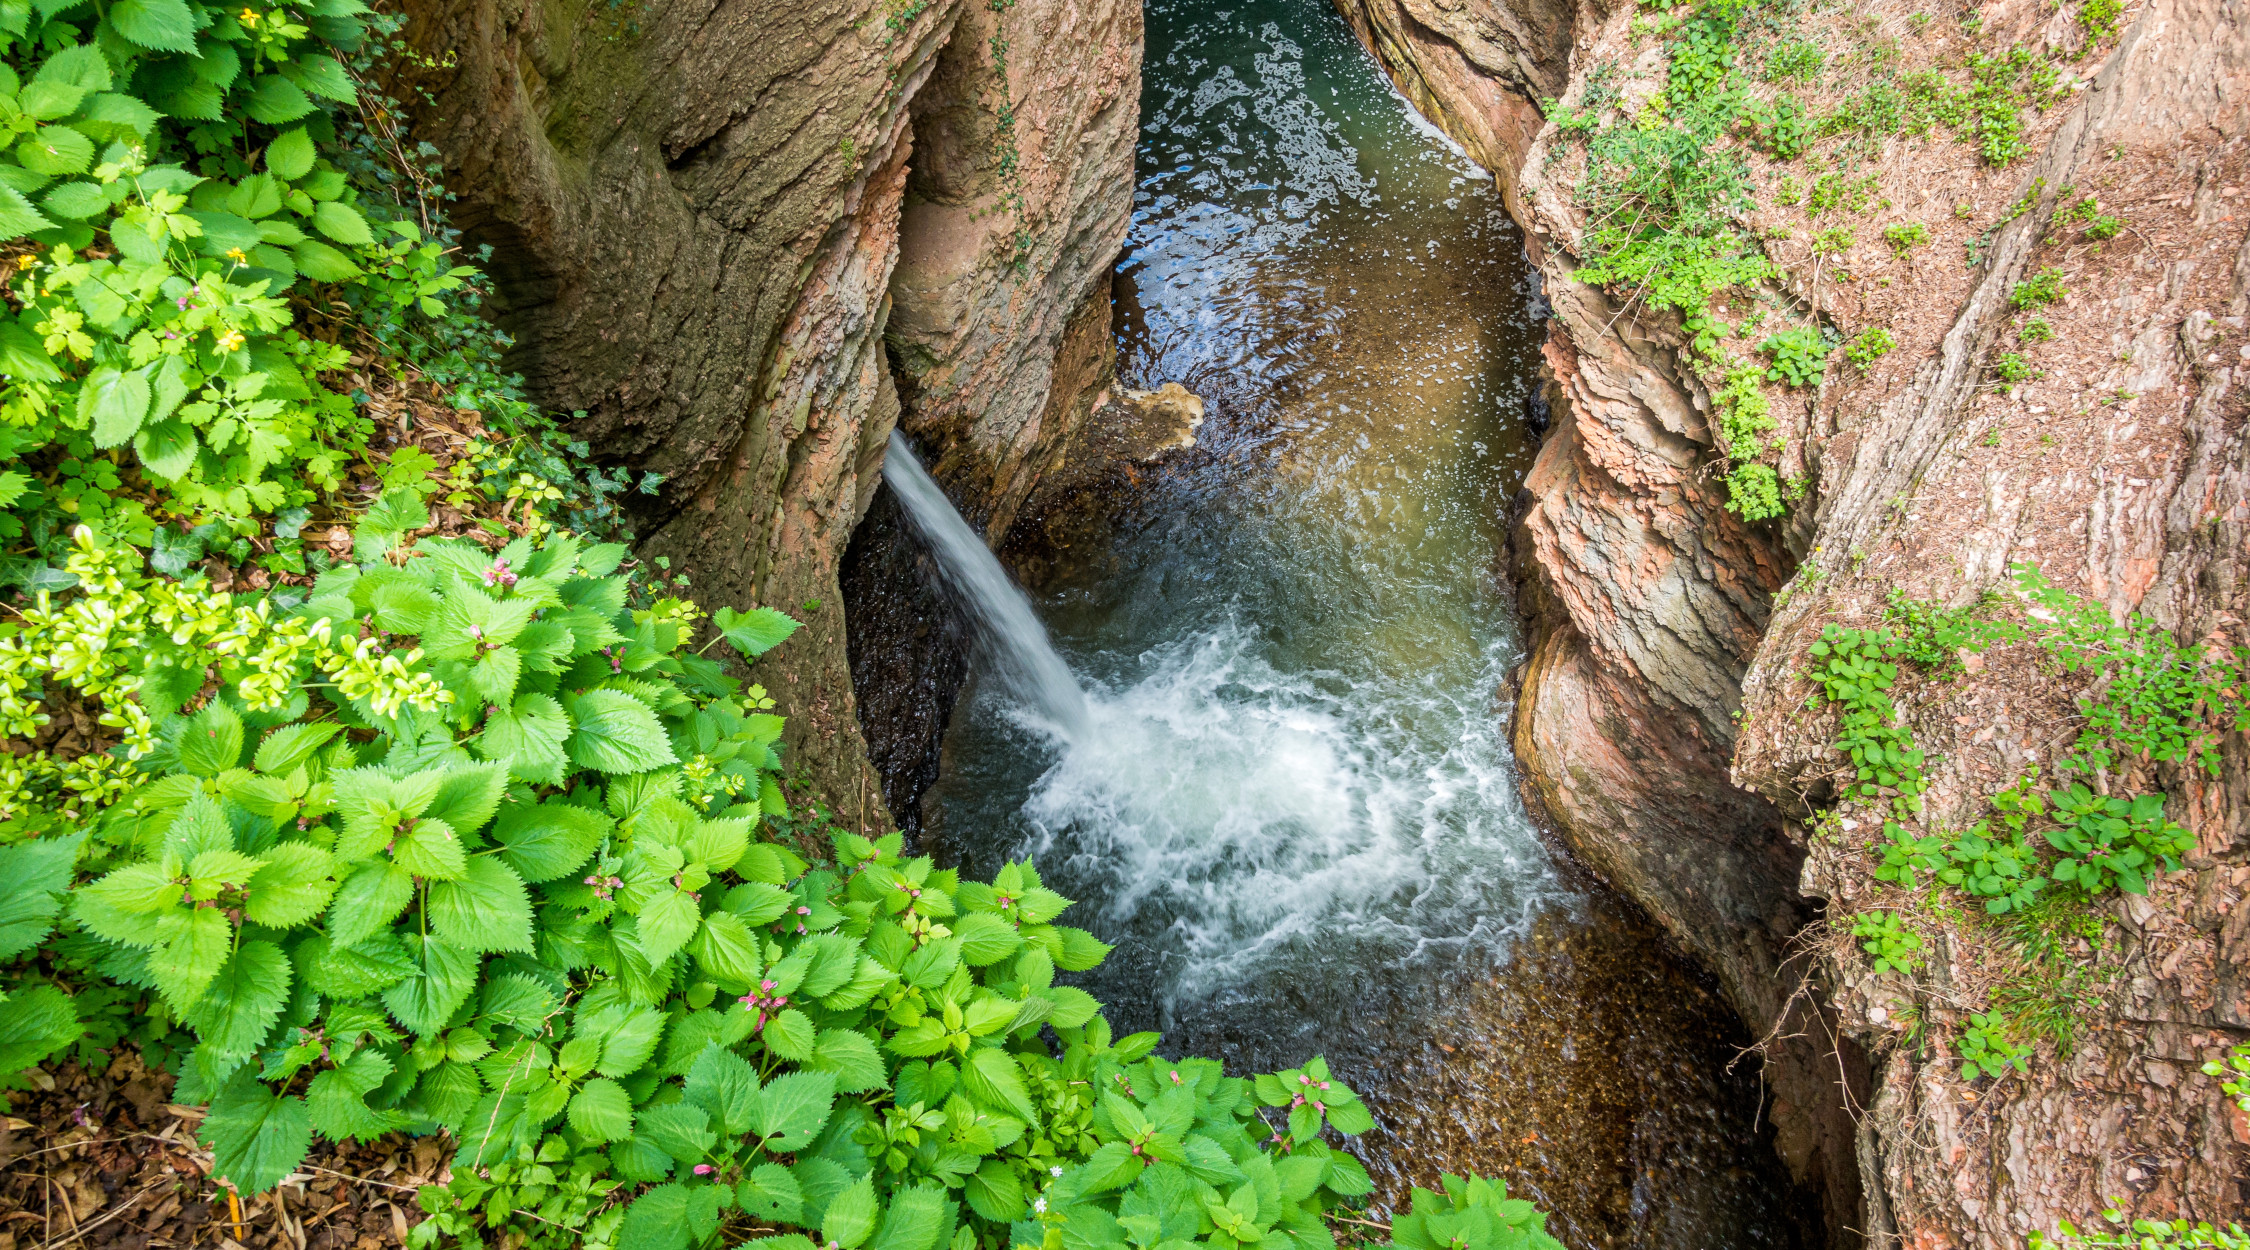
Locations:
1654 627
699 215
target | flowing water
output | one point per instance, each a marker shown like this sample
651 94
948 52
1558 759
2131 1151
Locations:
1266 748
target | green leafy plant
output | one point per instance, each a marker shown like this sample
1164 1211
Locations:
2235 1070
1798 357
1869 346
2138 1234
2114 841
1856 669
2098 18
1473 1214
2011 368
1905 236
1796 61
1895 946
2044 287
1906 857
1987 1049
2036 330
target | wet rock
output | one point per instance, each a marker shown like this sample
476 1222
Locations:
1157 423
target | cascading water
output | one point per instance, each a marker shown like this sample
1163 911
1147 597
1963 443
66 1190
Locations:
1274 767
1009 638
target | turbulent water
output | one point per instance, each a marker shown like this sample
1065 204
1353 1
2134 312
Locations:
1266 748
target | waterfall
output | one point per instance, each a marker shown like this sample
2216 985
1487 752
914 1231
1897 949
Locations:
1009 638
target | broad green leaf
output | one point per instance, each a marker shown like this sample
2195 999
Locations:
993 1079
75 201
368 901
770 1193
601 1111
727 949
467 796
724 1084
755 632
793 1108
616 733
448 1091
273 100
657 1220
913 1218
17 217
290 156
528 734
425 1001
291 888
323 263
994 1192
986 939
163 25
290 746
1114 1166
517 1002
851 1058
337 1100
167 449
790 1034
850 1218
35 1022
341 222
1351 1118
667 922
256 1137
37 872
211 742
431 849
374 965
55 151
682 1130
1081 950
486 909
628 1043
543 841
115 403
234 1014
193 950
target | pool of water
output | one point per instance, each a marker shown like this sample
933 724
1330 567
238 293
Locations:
1287 796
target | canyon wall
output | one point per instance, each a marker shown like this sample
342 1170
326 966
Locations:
1661 721
717 225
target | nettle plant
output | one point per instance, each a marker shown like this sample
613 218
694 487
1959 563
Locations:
169 197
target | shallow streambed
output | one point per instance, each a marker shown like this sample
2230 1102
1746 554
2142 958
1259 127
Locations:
1288 798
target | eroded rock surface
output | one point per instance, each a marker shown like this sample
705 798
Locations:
706 219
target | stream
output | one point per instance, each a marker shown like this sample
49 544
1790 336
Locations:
1259 729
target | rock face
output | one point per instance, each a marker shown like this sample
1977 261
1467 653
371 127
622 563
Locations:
706 219
1654 626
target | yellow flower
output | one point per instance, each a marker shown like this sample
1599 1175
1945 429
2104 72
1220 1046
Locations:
235 254
249 17
27 260
231 341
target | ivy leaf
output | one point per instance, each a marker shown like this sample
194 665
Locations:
256 1136
616 733
543 841
793 1108
290 157
485 910
164 25
602 1111
755 632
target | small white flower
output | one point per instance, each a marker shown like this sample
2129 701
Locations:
1039 1205
1055 1171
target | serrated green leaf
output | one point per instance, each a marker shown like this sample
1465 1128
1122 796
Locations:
256 1136
912 1219
290 746
291 888
993 1079
341 222
37 872
657 1220
35 1022
755 632
337 1100
162 25
243 1000
793 1108
17 217
290 156
211 742
770 1193
666 924
486 909
602 1111
467 796
994 1192
544 841
616 733
431 849
443 980
724 1084
789 1033
850 1218
273 100
193 949
851 1058
529 734
368 901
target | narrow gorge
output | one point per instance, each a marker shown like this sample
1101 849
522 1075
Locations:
751 241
